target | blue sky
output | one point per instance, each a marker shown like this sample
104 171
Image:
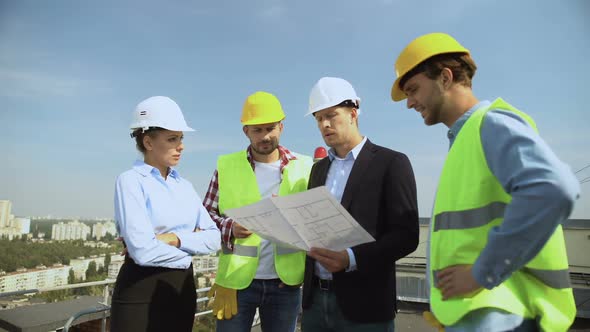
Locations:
71 72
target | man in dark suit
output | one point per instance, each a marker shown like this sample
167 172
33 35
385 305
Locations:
354 289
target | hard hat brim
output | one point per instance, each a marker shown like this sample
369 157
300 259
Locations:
183 129
396 93
331 104
187 129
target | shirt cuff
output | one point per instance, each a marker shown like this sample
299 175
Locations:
351 261
227 235
490 275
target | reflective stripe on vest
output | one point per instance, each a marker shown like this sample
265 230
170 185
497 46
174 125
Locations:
553 278
252 251
558 279
241 250
286 250
469 218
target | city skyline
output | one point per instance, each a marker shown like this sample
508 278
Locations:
71 74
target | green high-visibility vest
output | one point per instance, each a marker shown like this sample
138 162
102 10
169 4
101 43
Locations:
469 202
237 188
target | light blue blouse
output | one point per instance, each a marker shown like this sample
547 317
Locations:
146 204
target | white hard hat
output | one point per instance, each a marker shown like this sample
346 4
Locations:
330 91
160 112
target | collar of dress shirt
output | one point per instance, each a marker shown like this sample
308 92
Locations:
144 169
456 127
352 153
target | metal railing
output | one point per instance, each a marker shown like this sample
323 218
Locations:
103 307
56 288
85 312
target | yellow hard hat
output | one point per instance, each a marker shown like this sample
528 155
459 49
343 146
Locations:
420 49
261 107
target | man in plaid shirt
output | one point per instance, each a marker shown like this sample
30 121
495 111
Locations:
254 273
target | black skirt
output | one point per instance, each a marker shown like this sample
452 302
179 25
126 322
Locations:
153 299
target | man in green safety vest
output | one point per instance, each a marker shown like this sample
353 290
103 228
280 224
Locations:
254 273
497 258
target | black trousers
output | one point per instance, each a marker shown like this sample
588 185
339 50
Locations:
153 299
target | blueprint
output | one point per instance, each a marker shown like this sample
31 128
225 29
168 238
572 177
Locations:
313 218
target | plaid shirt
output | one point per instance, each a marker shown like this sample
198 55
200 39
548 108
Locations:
211 202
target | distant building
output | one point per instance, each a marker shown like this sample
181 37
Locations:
96 244
202 282
115 266
74 230
10 233
23 225
80 265
5 209
204 264
8 229
39 277
100 230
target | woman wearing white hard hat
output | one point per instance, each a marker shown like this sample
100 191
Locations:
163 223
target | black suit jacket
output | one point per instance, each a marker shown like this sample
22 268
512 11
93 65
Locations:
381 195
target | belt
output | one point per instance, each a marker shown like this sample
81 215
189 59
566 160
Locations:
326 284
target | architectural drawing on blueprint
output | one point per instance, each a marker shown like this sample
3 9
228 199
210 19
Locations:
313 218
326 224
